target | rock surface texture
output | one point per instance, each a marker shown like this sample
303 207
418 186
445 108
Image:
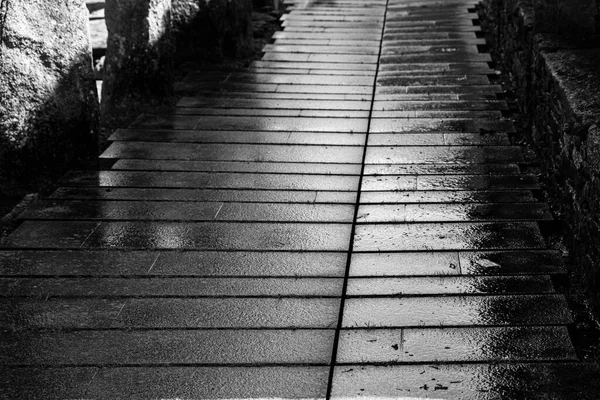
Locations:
346 217
48 101
211 29
558 85
138 53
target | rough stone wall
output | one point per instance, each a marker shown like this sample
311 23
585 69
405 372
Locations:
48 99
139 53
212 29
559 92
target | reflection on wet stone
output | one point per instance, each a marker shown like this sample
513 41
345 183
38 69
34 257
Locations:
346 217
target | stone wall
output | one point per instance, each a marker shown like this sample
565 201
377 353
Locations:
212 29
48 100
148 38
554 67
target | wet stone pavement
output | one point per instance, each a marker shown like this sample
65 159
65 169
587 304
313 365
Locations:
345 218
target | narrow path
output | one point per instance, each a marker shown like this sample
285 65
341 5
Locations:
345 218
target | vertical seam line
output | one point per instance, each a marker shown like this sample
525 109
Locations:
338 329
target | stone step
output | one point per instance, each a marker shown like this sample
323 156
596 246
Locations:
284 113
319 49
274 88
321 58
117 263
395 183
157 313
165 382
211 180
448 236
451 263
449 196
314 138
408 213
454 311
442 155
433 80
282 313
239 166
249 123
254 104
241 94
439 139
219 195
289 79
251 152
158 347
188 211
198 287
468 381
390 105
238 236
405 287
455 345
425 125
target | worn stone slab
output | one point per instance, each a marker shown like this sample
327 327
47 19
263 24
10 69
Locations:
219 195
212 180
75 263
304 124
22 314
242 94
433 139
197 347
513 262
321 49
246 166
168 286
234 152
187 211
441 169
489 310
447 285
440 196
406 213
242 137
433 80
274 103
429 35
348 66
448 236
483 344
267 89
321 41
286 113
210 382
46 383
441 125
442 154
322 58
439 105
437 114
229 313
489 92
248 264
450 182
404 264
300 79
172 235
478 182
468 381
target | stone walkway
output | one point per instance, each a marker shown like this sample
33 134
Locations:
346 218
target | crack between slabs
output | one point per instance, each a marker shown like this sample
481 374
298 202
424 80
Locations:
339 327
